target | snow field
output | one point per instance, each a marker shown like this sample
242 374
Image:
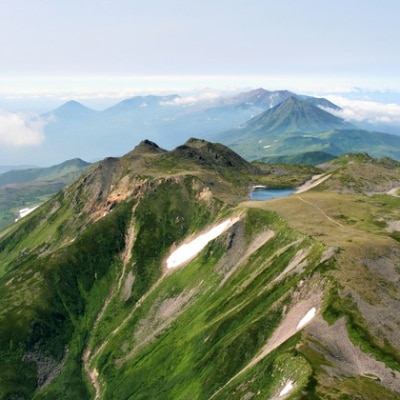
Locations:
307 318
187 251
288 387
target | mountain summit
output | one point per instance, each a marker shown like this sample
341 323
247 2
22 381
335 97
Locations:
298 126
264 99
295 115
72 109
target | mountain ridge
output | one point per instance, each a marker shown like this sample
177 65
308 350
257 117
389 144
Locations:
284 297
142 102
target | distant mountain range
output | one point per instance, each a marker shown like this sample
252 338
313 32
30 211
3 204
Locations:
257 123
298 126
76 131
167 120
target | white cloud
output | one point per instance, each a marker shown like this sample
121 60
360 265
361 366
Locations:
367 111
18 129
199 97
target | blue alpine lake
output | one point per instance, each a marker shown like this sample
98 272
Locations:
268 194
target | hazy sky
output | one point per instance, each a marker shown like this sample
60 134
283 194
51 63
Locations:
102 45
102 51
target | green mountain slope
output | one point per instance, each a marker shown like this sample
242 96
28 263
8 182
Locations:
64 169
296 126
309 158
295 115
28 188
152 277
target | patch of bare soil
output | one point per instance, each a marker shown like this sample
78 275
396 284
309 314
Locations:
127 253
328 253
314 181
160 316
309 297
393 226
348 359
289 325
237 254
93 376
375 292
47 367
383 316
128 285
297 264
394 192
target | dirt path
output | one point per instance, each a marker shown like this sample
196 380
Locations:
321 211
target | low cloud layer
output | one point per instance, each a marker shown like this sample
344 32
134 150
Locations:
367 111
19 129
201 97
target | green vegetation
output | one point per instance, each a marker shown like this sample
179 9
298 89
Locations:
89 310
51 293
31 187
309 158
219 329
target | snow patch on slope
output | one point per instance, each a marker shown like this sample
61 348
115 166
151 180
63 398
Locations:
307 318
314 181
188 251
288 388
23 212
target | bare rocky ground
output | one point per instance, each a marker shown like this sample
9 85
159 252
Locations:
303 301
307 296
345 358
161 315
48 367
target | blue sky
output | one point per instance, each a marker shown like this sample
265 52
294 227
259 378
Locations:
50 46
